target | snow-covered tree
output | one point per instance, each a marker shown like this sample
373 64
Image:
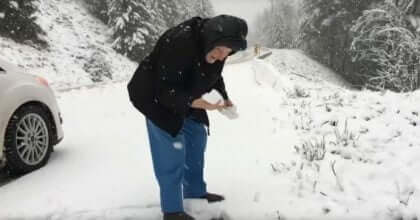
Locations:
278 25
202 8
137 24
134 28
325 30
192 8
412 10
407 6
99 8
17 20
385 51
169 11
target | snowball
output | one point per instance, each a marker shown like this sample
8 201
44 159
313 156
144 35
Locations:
213 97
201 209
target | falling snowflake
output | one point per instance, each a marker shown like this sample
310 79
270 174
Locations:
178 145
2 15
187 28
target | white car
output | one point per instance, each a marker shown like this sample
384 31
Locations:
30 120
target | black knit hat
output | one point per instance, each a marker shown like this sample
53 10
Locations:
225 30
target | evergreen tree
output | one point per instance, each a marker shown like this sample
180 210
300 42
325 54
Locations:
203 8
385 51
137 24
325 31
408 6
192 8
278 25
99 8
134 29
17 21
412 9
168 11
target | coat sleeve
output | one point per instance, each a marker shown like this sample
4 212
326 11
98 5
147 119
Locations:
171 91
221 88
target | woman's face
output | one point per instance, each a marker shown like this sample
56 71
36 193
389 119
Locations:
218 53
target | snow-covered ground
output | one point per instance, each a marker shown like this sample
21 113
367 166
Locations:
102 169
305 146
77 44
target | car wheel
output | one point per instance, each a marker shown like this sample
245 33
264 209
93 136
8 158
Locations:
28 140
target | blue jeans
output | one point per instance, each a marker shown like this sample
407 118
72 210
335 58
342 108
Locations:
178 163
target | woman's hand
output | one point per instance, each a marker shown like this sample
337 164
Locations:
203 104
228 103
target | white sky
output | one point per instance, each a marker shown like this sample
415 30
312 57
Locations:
247 9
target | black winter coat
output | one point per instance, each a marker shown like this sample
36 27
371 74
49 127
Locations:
175 73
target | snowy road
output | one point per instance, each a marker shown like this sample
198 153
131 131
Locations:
102 168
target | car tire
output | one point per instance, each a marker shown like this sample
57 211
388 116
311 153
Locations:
28 140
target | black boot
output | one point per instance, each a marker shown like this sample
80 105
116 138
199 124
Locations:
177 216
213 197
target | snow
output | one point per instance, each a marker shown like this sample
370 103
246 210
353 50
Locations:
14 4
178 145
73 36
306 146
120 23
230 112
103 169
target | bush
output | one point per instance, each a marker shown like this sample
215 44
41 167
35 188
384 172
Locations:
98 68
384 50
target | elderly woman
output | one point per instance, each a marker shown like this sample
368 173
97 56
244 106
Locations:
186 63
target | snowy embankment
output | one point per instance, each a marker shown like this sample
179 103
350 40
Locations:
263 162
359 150
78 45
